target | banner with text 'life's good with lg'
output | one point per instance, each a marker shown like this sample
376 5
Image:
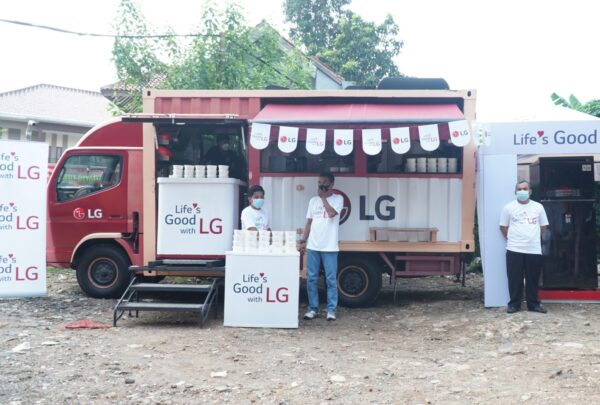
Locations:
23 178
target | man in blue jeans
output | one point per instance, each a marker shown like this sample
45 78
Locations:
321 238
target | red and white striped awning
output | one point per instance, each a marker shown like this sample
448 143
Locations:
286 121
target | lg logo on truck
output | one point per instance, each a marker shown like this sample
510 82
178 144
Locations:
346 209
80 213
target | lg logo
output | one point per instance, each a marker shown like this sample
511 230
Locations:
80 213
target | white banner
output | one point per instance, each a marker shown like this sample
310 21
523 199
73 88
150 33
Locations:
429 137
259 136
315 140
459 133
23 178
400 139
287 139
528 138
343 141
371 141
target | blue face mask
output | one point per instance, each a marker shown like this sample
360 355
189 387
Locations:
522 195
258 203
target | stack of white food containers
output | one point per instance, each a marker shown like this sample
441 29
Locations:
211 171
223 171
264 242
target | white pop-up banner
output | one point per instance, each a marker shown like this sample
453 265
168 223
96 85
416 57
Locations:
23 178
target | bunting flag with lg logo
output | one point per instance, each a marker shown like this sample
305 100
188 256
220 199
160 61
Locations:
400 139
315 140
288 139
459 133
343 141
259 136
429 136
23 178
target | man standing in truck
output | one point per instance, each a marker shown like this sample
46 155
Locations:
522 223
321 241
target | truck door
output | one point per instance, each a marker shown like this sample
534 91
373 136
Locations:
88 196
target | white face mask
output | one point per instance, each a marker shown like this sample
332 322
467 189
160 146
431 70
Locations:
225 146
522 195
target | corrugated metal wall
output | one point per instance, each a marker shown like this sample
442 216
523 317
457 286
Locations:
407 203
245 107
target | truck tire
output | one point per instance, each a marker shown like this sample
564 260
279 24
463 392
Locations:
102 271
359 281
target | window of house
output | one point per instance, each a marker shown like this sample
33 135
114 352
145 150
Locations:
83 175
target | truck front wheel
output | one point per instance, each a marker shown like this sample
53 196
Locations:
102 271
359 281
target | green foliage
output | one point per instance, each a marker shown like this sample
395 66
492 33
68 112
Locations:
359 50
591 107
227 54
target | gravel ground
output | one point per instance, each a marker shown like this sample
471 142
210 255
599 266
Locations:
435 344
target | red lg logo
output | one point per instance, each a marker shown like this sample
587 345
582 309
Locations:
346 209
339 141
455 133
283 139
396 140
79 213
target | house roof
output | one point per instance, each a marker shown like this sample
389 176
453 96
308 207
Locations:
46 102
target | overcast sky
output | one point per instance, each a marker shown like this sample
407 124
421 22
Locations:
515 53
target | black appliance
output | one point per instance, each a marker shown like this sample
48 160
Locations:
565 187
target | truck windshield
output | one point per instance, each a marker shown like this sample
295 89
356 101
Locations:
86 174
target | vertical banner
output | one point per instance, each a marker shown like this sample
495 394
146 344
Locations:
459 133
343 141
429 137
315 141
23 178
259 136
287 139
371 141
400 139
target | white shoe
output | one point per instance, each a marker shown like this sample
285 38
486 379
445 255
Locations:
331 316
310 314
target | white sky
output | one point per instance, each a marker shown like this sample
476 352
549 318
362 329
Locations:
515 53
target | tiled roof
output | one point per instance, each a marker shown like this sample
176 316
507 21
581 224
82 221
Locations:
56 103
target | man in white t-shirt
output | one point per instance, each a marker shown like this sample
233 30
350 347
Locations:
254 217
522 223
321 239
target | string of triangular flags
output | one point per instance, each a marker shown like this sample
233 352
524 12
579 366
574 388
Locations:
343 139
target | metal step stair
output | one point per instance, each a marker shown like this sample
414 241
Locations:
167 297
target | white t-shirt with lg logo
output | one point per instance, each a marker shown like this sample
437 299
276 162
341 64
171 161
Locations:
524 222
253 218
324 230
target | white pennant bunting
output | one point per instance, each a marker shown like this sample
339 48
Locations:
315 141
371 141
343 141
259 136
287 139
459 133
429 137
400 139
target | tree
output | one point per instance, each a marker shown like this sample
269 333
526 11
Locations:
225 54
359 50
591 107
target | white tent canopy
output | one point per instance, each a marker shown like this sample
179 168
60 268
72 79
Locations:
556 131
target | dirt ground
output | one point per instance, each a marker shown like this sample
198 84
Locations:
435 344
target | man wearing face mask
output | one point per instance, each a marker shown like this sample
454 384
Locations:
321 239
255 217
223 154
522 223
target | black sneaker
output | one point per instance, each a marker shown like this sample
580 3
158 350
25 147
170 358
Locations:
511 310
538 308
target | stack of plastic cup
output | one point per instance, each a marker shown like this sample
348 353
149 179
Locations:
264 241
411 165
223 171
239 241
188 171
251 241
277 241
432 165
177 171
442 165
211 171
200 171
290 241
421 165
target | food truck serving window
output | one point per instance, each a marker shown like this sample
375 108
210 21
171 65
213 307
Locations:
273 160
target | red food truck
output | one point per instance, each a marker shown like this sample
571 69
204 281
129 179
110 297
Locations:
409 198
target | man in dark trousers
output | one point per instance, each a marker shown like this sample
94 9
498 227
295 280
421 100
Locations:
522 223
